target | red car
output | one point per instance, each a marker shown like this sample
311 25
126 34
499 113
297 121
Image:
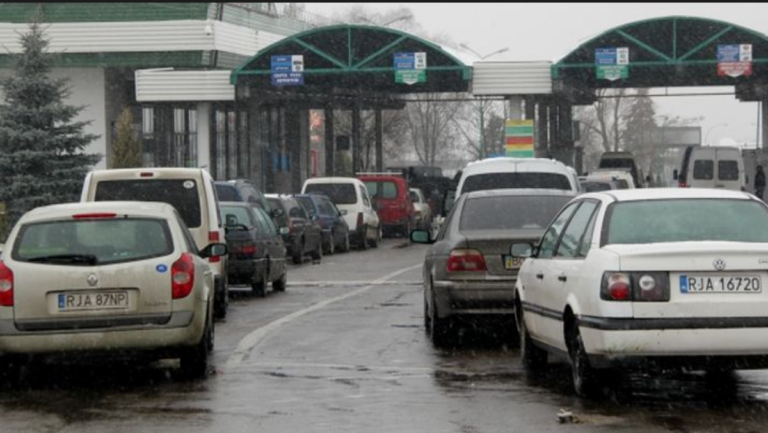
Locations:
392 201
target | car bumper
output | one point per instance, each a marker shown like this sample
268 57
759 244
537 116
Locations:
242 271
182 330
482 297
702 348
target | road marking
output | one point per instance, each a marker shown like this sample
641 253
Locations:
254 338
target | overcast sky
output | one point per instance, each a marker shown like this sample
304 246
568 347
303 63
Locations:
549 31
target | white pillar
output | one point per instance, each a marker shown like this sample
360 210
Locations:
516 107
204 135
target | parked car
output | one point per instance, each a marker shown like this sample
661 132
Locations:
256 249
421 209
647 277
712 167
301 234
391 198
189 190
351 197
334 227
505 173
241 190
622 161
469 270
89 278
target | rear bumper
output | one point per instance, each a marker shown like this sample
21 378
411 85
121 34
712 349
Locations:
242 271
692 348
483 297
185 328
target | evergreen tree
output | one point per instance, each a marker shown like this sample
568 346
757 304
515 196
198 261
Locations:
42 159
126 149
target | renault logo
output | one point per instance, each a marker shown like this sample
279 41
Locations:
719 264
93 279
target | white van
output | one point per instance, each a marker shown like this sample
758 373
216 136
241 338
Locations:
514 173
351 197
190 190
623 178
712 167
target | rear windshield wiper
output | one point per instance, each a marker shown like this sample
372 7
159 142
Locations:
84 259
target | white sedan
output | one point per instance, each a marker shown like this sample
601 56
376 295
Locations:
669 277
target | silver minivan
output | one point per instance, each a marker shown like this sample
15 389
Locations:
712 167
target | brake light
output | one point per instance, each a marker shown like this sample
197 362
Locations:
96 215
466 260
214 237
147 174
360 219
619 288
182 276
635 286
682 184
6 286
248 250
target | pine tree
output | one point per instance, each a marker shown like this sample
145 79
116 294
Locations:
42 159
126 149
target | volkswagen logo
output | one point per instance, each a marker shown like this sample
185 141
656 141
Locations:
93 279
719 264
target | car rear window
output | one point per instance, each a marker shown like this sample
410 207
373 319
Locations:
703 169
104 241
727 170
339 193
182 194
228 193
595 186
237 215
682 220
482 182
510 213
387 190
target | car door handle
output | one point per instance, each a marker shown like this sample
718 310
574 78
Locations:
540 276
562 278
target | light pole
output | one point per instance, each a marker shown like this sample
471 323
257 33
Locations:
482 108
706 137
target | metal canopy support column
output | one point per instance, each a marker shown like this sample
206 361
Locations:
565 125
330 148
764 122
271 153
542 144
554 138
293 135
356 137
379 141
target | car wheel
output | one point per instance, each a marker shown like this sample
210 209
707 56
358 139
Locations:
345 245
364 239
585 378
440 329
406 229
427 319
298 253
194 360
317 254
259 284
533 357
280 284
221 301
379 236
332 245
10 370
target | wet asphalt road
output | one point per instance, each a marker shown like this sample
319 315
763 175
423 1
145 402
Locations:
343 350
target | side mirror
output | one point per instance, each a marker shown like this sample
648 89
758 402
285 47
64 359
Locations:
343 212
277 213
284 230
523 250
674 174
214 250
315 217
421 237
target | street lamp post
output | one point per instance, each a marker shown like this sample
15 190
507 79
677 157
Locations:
482 108
706 137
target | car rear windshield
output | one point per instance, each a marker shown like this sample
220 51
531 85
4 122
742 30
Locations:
595 186
510 213
228 193
681 220
93 242
482 182
236 215
180 193
339 193
387 190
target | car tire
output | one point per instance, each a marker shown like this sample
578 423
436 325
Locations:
440 329
194 360
317 254
585 378
10 370
332 245
377 240
364 239
298 253
259 284
221 301
279 284
532 356
427 319
345 246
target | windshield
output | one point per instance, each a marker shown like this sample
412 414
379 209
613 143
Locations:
103 242
237 215
228 193
646 222
381 190
339 193
481 182
182 194
510 213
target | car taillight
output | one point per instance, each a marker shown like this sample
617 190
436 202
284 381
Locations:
214 237
635 286
182 276
682 184
247 250
360 219
6 286
466 260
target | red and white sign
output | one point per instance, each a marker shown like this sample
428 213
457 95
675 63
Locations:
735 69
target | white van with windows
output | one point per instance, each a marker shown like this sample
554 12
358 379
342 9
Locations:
516 173
712 167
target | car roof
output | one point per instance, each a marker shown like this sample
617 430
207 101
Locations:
492 164
522 192
668 193
333 180
133 208
116 172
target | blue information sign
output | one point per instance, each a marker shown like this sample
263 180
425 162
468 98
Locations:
287 70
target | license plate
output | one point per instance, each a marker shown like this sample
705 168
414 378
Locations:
511 263
113 300
720 284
